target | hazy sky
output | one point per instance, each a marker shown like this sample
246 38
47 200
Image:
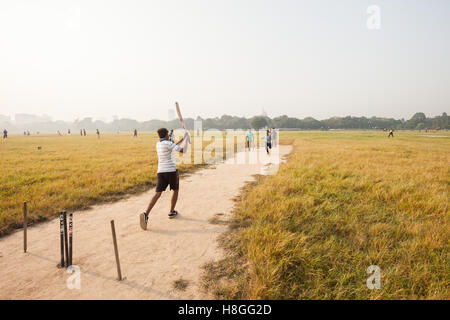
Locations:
317 58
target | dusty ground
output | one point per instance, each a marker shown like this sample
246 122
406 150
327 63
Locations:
151 260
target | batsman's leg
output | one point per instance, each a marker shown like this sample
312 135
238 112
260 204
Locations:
174 200
153 202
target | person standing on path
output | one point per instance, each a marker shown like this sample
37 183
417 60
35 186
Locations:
268 141
274 137
167 174
249 139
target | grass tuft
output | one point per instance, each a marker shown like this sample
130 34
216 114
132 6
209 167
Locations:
180 284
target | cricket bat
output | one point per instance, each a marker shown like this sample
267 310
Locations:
179 115
187 138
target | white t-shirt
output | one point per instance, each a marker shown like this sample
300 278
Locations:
166 159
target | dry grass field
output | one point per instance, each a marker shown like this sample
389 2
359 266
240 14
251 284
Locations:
72 172
343 202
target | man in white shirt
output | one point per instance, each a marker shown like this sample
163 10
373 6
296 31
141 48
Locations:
167 174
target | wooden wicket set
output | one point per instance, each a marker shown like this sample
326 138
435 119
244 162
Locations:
66 238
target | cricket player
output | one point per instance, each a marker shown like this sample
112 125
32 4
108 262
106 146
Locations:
268 139
249 139
391 133
167 174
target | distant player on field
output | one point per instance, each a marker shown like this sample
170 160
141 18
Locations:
98 134
391 133
268 138
249 139
5 134
135 133
167 174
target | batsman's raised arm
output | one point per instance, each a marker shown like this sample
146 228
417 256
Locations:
178 143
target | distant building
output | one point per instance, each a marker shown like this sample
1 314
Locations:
5 118
263 113
24 118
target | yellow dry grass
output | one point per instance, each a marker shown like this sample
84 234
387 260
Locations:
343 202
72 172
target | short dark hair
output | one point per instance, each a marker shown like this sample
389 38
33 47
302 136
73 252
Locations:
162 133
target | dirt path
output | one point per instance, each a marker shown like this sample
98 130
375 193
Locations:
151 260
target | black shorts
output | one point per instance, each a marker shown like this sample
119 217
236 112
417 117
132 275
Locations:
167 178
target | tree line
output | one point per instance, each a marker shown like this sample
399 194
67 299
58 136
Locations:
418 122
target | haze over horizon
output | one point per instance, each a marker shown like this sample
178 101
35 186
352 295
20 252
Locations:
133 59
109 119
